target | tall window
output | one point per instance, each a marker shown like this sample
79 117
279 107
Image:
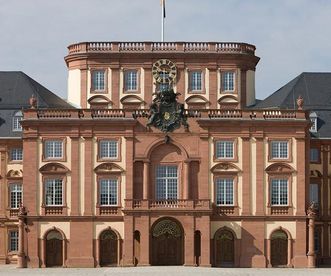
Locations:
313 193
15 195
224 191
314 155
313 120
108 149
16 154
279 192
17 118
13 241
98 80
224 149
228 81
131 80
108 192
279 149
53 149
166 182
53 192
196 81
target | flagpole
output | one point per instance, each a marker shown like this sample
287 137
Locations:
162 21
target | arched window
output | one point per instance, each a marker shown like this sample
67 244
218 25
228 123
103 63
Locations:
17 118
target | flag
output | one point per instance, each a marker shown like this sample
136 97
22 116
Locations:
163 7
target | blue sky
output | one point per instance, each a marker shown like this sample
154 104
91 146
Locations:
291 36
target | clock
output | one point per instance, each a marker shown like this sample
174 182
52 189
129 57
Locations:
164 71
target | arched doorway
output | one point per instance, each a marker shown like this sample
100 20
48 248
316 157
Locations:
167 243
224 248
108 248
54 249
279 246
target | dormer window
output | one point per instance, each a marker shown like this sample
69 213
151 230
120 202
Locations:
17 118
313 120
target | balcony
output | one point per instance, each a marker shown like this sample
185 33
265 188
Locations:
169 205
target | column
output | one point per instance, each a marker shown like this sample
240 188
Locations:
88 190
144 241
246 157
301 176
189 241
259 176
75 193
128 241
312 212
186 172
146 179
129 165
205 241
20 253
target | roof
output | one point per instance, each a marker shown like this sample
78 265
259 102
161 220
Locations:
16 88
315 89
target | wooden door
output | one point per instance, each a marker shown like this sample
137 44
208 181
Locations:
108 249
54 252
224 249
279 251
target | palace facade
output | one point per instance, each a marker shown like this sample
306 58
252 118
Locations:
203 175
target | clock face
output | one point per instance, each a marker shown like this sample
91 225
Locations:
164 71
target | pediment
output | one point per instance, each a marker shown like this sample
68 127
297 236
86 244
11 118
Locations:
131 99
225 167
196 99
14 174
228 99
106 168
99 99
54 168
279 168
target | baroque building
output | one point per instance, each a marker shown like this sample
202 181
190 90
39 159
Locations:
168 159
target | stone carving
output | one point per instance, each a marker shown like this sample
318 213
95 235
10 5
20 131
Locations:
312 210
166 113
167 227
300 102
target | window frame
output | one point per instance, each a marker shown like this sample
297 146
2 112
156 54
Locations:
179 181
11 160
235 149
288 177
279 204
63 140
125 72
54 177
92 88
318 160
12 230
10 184
314 122
119 146
17 114
226 91
111 176
190 88
234 190
289 150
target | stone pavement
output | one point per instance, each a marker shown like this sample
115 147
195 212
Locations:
11 270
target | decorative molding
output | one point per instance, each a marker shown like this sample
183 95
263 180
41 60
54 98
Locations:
107 168
54 168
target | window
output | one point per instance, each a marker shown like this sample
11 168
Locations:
317 241
313 193
224 149
196 81
15 195
53 192
13 241
314 155
313 120
279 149
131 80
279 192
228 81
17 118
166 182
108 149
98 80
224 191
108 192
53 149
16 154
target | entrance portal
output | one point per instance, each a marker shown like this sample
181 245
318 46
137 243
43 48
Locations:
108 248
224 249
167 243
54 249
279 244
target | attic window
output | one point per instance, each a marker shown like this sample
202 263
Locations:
18 116
313 120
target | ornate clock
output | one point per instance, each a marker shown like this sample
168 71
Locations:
164 71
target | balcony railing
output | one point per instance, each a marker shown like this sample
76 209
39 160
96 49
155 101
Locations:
185 47
184 204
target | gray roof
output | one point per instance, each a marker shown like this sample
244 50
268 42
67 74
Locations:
16 88
315 89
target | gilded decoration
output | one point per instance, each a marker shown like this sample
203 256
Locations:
167 227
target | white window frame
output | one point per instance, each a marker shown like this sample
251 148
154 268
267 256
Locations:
196 81
13 241
16 195
224 149
17 118
107 189
277 149
313 120
277 193
108 149
131 80
16 154
53 149
228 81
224 191
52 187
166 182
98 79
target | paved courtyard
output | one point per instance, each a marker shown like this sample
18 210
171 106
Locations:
163 271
